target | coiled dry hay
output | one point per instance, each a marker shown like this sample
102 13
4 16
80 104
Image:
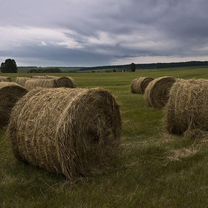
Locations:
5 79
22 80
10 93
56 78
157 92
69 131
139 85
63 79
50 83
187 108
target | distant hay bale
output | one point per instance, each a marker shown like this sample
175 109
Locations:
187 108
36 83
157 92
52 77
10 93
50 83
21 80
139 85
66 81
41 77
5 79
63 79
74 132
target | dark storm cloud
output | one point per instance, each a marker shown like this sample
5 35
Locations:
56 55
98 32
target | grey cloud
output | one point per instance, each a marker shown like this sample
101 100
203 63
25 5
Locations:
170 27
57 56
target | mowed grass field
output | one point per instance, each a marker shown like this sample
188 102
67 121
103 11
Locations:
154 169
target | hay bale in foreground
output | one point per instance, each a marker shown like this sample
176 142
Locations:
10 93
157 92
5 79
187 108
69 131
21 80
50 83
139 85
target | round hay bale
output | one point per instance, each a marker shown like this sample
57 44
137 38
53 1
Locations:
21 80
61 80
5 79
37 83
74 132
157 92
49 83
139 85
187 108
64 82
41 77
10 93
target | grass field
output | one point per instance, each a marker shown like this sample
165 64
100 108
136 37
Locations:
154 168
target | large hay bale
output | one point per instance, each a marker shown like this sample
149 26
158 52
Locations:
157 92
22 80
187 108
10 93
50 83
69 131
5 79
139 85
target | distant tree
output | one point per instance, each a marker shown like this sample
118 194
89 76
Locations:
2 66
133 67
9 66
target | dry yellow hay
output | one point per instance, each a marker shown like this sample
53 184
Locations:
50 82
139 85
10 93
74 132
157 92
21 80
187 108
5 79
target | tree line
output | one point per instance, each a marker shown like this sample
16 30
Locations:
10 66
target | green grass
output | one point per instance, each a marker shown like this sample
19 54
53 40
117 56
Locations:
154 169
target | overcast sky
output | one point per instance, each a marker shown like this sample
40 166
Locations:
103 32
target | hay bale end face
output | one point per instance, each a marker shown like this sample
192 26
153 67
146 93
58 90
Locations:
10 93
139 85
21 80
187 108
157 92
50 83
5 79
69 131
65 82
